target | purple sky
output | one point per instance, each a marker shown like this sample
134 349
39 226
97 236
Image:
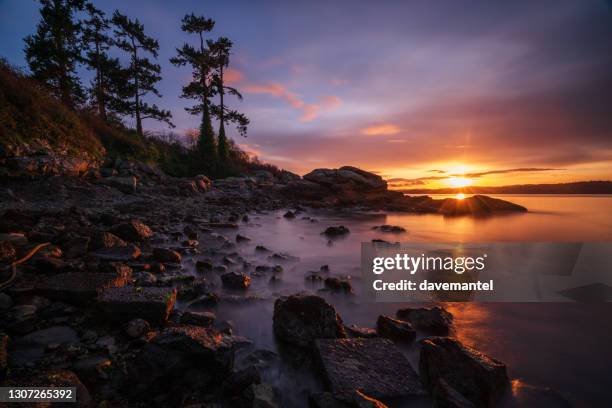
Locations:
401 87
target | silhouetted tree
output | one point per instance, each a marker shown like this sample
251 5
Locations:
110 84
220 50
200 88
144 74
53 51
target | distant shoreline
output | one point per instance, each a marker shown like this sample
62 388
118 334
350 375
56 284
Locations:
586 187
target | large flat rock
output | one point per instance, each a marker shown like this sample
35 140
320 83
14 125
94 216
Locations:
79 287
375 366
127 303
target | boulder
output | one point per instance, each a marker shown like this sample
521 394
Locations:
347 178
435 320
125 184
137 327
118 254
376 367
396 229
79 287
236 281
480 379
103 240
175 351
166 255
395 329
336 231
127 303
302 318
133 231
363 332
202 319
7 252
338 284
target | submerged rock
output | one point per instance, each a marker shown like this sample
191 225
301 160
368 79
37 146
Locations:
336 231
396 229
338 284
237 281
302 318
395 329
435 320
480 379
376 367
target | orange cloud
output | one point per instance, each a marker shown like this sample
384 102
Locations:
233 76
310 111
381 130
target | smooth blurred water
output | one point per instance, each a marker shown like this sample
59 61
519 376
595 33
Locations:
563 346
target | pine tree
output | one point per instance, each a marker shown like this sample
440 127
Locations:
143 73
200 88
110 84
53 51
220 50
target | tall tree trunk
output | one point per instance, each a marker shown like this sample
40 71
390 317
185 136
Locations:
223 151
136 90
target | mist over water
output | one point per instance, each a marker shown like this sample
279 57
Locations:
562 346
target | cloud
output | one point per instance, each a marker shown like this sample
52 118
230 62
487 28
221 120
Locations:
381 130
233 76
310 111
505 171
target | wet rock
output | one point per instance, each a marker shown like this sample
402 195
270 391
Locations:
347 178
261 248
166 255
144 279
136 328
115 268
91 369
338 284
133 231
102 240
127 303
238 381
236 281
220 269
126 184
396 229
262 396
206 300
477 377
89 336
5 301
191 232
435 320
300 319
375 366
261 358
395 329
22 319
78 287
119 254
289 215
202 319
324 269
203 266
7 252
49 265
242 238
107 343
336 231
360 332
445 396
31 347
176 350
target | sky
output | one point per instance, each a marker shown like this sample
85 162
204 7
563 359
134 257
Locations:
426 94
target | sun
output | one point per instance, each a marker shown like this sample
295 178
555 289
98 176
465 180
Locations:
460 196
458 182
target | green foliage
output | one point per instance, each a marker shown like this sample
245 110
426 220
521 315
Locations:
53 51
144 74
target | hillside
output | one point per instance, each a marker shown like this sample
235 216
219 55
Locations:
583 187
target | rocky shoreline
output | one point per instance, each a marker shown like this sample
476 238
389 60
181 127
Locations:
100 265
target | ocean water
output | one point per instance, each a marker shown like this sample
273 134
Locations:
564 346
